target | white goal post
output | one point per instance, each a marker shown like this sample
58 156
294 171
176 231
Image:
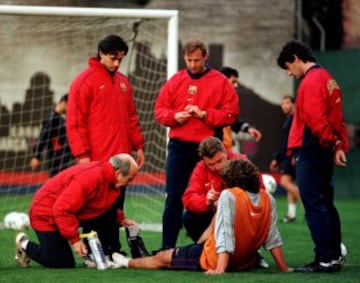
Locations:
170 15
43 48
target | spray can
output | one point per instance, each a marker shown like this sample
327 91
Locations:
97 250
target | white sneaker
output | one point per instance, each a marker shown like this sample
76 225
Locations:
343 250
341 260
89 261
260 261
111 264
21 257
120 260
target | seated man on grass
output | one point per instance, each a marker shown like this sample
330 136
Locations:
245 220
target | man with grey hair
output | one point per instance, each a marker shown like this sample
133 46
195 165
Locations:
80 194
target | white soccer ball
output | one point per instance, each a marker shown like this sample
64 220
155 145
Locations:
269 183
16 221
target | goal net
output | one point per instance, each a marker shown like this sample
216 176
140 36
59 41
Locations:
43 49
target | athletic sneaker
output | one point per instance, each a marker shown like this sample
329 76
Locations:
260 262
324 267
137 247
120 260
21 257
89 261
288 219
340 261
135 242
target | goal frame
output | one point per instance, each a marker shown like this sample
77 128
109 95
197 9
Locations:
171 15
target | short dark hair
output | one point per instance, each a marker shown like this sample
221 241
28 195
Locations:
64 98
228 72
112 44
292 48
241 173
291 98
209 146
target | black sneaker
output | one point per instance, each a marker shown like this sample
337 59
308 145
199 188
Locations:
288 219
324 267
137 247
260 262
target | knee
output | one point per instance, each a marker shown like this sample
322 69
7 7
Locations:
163 258
285 181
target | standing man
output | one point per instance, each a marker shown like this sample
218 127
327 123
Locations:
81 193
284 163
240 125
244 221
192 103
319 139
102 118
53 138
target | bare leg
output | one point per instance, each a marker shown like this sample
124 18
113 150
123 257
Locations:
287 182
161 260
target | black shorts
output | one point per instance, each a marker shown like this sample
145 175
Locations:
287 168
187 258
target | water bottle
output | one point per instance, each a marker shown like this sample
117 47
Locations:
97 250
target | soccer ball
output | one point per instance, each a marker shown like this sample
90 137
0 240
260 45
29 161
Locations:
16 221
269 183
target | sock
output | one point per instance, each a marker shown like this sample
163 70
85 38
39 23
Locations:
291 210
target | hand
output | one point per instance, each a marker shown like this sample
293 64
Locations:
211 197
140 157
128 222
274 166
214 272
83 160
182 117
222 264
340 158
195 111
34 163
80 248
255 133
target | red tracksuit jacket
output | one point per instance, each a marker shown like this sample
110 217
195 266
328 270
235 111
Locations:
211 92
318 119
201 180
101 118
81 192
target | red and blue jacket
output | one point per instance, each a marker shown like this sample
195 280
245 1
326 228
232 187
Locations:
101 118
318 119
